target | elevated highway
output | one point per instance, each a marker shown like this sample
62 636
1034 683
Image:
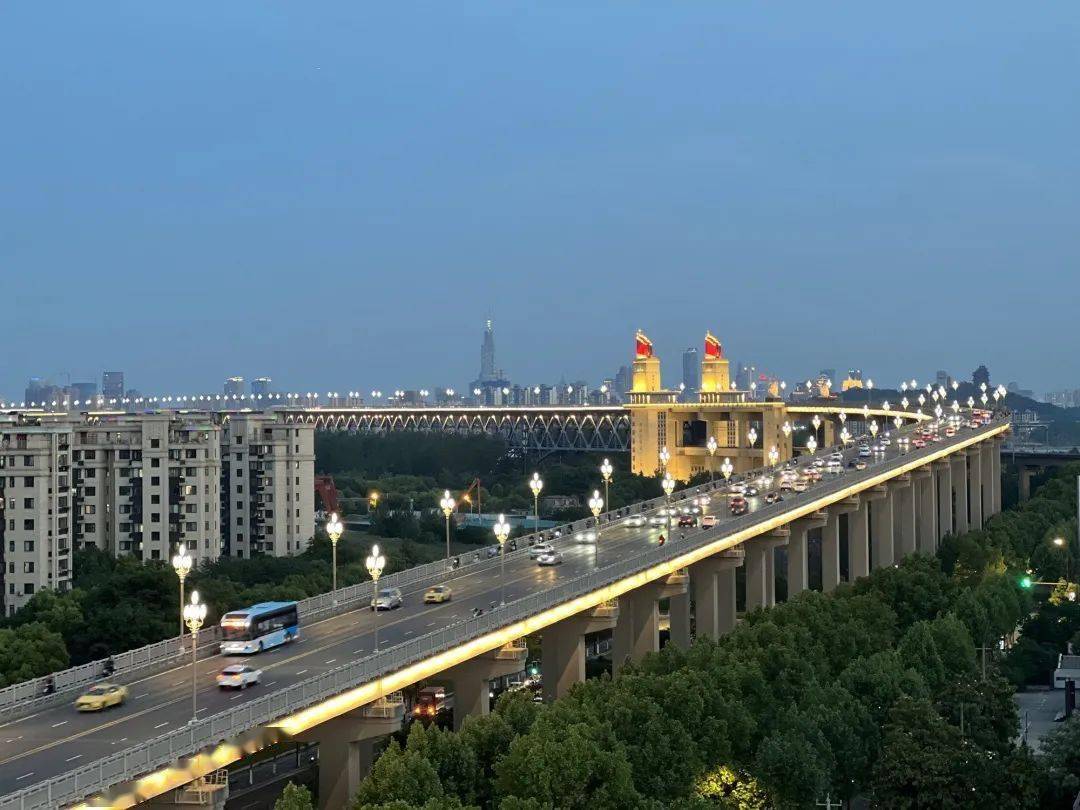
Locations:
322 687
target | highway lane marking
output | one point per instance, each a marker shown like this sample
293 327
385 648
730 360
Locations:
301 672
144 694
161 725
14 739
61 723
24 776
332 660
237 696
72 759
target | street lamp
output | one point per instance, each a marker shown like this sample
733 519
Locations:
665 457
904 403
874 428
726 469
668 483
502 532
786 428
711 446
774 456
606 470
751 436
375 563
811 445
334 530
971 402
447 504
194 614
535 484
373 501
181 563
845 437
596 506
897 421
816 421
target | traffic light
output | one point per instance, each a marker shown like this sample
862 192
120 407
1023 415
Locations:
1025 582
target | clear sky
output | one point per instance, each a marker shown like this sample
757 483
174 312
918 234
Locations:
338 193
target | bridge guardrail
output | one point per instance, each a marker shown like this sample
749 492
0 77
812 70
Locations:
148 756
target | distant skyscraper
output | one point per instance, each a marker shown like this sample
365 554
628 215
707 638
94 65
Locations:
261 385
691 374
85 391
487 353
234 386
980 375
622 383
942 380
112 384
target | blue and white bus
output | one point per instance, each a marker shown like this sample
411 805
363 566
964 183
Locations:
259 627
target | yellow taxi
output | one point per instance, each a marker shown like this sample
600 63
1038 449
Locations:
437 594
101 696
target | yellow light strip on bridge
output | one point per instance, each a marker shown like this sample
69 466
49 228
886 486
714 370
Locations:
202 764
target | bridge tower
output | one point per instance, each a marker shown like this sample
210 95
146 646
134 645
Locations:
648 425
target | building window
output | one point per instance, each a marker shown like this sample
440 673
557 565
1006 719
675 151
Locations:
155 517
155 442
155 480
155 462
155 499
28 503
90 492
28 567
28 461
90 528
28 524
28 481
28 588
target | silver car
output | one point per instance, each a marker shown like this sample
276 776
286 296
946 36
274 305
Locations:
388 599
540 549
552 558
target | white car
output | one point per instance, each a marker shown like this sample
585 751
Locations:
587 536
238 676
553 558
864 452
635 521
658 520
540 549
737 489
388 599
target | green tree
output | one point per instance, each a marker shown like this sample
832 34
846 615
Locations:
294 797
398 775
1060 761
30 651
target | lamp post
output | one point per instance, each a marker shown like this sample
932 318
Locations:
375 563
668 483
811 445
774 456
726 469
373 501
751 437
194 614
535 484
502 532
333 531
447 504
606 470
665 457
181 563
596 506
711 446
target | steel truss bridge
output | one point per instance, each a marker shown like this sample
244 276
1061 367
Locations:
530 430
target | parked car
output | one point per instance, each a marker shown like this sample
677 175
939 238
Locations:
239 676
101 696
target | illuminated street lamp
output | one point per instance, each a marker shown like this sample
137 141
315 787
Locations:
194 614
774 456
181 563
726 469
971 402
845 437
751 436
711 446
955 407
786 428
922 400
596 506
904 403
333 531
502 532
447 505
373 501
375 563
874 428
842 417
668 483
898 422
816 421
606 470
811 445
665 457
535 484
984 398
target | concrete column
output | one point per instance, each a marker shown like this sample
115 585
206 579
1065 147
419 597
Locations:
943 496
903 517
637 631
347 747
988 451
713 582
996 475
881 531
562 656
923 482
798 573
830 552
757 552
959 492
859 541
975 511
770 577
471 680
679 621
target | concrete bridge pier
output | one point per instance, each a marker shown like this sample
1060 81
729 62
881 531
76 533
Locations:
1026 474
830 542
471 681
679 620
563 648
760 568
881 527
995 472
902 491
943 493
923 491
975 494
859 539
960 492
798 572
989 450
347 747
637 631
713 582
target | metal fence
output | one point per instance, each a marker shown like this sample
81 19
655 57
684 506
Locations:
145 757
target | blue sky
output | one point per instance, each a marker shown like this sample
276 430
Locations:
336 194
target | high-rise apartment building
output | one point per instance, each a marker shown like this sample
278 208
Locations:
234 386
112 384
267 486
262 385
487 353
691 374
36 495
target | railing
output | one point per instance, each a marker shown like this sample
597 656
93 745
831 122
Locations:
145 757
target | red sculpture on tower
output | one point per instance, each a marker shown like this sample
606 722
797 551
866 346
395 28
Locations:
642 346
713 349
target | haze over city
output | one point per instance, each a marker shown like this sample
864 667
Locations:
341 198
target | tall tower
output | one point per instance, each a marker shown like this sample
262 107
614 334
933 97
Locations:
691 375
715 374
487 353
